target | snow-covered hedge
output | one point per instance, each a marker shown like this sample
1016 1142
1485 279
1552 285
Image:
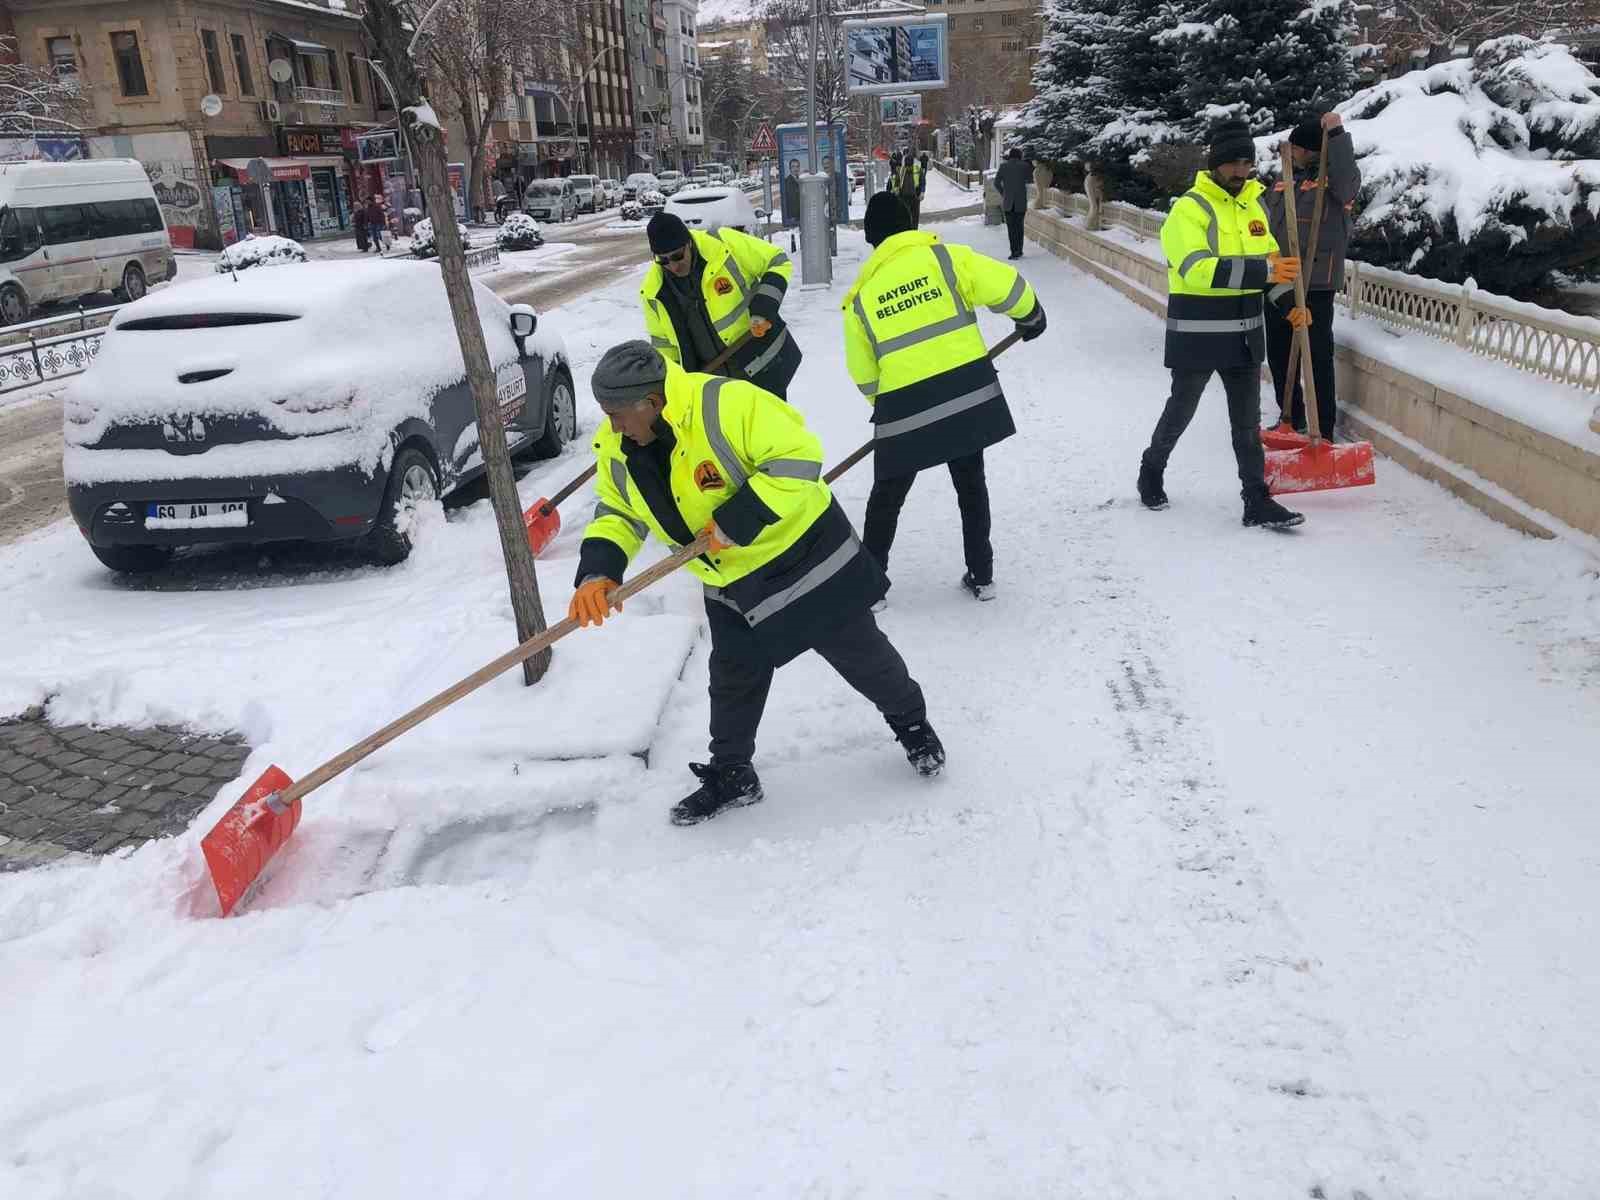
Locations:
1482 167
632 210
253 251
519 231
422 243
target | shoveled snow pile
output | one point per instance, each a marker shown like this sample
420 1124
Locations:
519 231
1481 167
334 354
254 251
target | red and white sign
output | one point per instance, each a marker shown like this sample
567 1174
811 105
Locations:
763 142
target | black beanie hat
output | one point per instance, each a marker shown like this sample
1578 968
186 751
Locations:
887 215
1307 135
1231 142
666 232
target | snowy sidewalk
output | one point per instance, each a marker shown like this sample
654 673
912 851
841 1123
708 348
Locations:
1264 865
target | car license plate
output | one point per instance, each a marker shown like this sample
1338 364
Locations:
201 514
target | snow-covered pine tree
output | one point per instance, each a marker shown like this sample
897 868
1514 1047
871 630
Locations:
1269 63
1146 90
1073 98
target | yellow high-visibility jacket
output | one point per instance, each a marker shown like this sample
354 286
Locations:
913 347
744 277
732 452
1216 245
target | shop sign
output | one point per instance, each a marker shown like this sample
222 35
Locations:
312 141
378 147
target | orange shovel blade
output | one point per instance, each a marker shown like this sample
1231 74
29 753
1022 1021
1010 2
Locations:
1320 468
1284 437
543 522
238 849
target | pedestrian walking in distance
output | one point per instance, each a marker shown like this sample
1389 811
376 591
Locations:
1220 255
913 348
1011 181
681 454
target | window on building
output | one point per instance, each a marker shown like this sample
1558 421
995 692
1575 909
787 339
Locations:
1010 18
63 57
213 56
130 66
333 73
977 24
355 77
241 65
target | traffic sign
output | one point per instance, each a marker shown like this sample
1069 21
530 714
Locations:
763 141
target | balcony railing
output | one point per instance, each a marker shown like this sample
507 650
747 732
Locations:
315 95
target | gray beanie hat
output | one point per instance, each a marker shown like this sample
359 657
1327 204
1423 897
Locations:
627 374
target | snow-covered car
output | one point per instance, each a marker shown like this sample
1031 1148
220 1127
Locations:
586 188
668 182
698 180
254 251
713 208
328 403
519 232
550 200
638 182
611 191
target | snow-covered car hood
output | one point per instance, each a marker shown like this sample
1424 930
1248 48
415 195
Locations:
317 348
713 207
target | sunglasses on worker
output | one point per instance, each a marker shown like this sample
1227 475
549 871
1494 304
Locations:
681 254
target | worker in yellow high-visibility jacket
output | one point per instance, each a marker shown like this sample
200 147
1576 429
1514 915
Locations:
705 291
683 454
913 348
1221 256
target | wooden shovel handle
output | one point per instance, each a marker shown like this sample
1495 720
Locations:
1291 205
343 762
1301 339
556 501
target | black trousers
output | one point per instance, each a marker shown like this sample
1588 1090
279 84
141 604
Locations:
972 496
856 648
1243 386
1279 337
1014 222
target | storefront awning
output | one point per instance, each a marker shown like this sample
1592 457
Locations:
309 47
283 169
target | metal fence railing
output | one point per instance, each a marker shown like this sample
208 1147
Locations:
42 350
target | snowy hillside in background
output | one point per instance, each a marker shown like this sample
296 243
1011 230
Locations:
1481 167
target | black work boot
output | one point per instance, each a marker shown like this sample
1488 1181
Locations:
1262 510
1151 492
721 786
924 750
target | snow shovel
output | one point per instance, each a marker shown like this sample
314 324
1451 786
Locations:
1320 465
1283 435
542 520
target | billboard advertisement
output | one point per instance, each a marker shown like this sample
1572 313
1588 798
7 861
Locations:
896 54
794 152
900 110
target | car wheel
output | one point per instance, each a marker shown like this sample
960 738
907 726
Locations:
133 284
560 420
133 560
13 305
413 485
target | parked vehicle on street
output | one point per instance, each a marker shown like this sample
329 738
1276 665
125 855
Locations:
72 229
550 200
586 188
698 180
711 208
668 182
611 190
639 181
324 402
718 172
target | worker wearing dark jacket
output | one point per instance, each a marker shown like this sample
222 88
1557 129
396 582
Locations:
913 348
684 454
1220 258
707 290
1325 278
1011 181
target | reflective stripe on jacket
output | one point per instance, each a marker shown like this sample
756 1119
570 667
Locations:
1216 245
744 277
914 349
744 458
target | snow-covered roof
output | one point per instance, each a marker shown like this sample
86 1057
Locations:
726 12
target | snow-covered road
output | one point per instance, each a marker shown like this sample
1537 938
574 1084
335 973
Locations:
1264 865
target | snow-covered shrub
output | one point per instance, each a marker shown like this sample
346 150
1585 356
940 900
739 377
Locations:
653 201
253 251
1481 167
519 231
632 210
422 243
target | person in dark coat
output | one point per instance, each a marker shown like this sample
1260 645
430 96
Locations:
360 221
1011 181
377 222
1325 278
907 189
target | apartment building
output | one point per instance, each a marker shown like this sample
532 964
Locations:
683 84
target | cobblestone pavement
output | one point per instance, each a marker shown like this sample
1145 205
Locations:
68 789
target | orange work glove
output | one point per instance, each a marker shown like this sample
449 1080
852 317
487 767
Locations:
1282 269
592 601
718 540
759 326
1300 318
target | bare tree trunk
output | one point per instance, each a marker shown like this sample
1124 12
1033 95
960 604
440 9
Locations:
384 24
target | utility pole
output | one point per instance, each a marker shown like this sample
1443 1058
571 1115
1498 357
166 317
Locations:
386 26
